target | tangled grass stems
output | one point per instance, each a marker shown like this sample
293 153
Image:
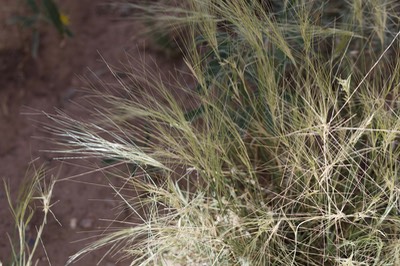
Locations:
287 152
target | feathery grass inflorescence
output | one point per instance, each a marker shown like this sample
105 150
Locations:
286 152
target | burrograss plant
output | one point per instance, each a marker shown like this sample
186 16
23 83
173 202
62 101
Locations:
287 152
34 196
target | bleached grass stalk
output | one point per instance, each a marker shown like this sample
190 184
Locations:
291 159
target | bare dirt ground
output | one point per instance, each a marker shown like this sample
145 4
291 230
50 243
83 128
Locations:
29 86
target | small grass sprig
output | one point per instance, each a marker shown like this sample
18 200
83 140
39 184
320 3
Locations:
33 191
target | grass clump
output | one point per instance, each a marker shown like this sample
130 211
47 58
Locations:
285 153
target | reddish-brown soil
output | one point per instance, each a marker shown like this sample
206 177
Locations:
29 86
